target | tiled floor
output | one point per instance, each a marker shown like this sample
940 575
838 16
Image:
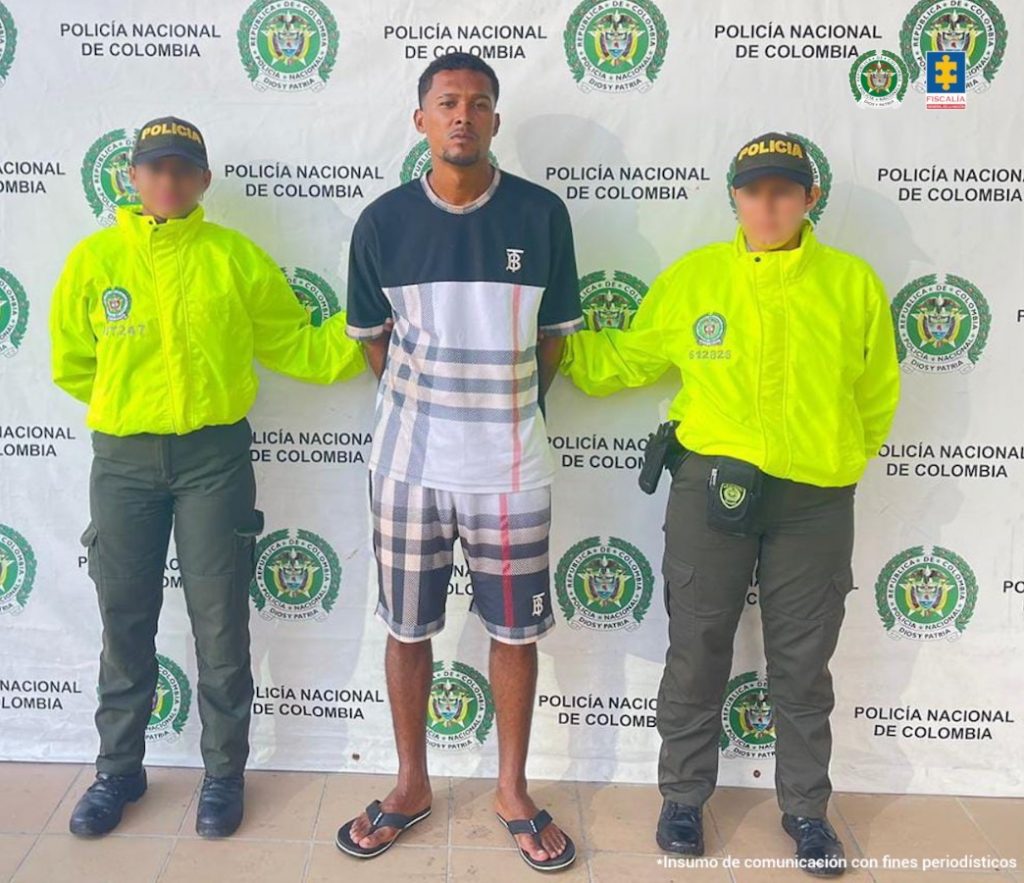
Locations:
291 819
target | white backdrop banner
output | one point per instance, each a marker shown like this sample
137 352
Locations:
630 110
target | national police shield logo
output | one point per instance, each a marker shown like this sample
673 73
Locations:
313 292
8 42
821 172
288 45
879 79
117 304
460 708
975 27
709 329
610 299
17 570
926 594
615 46
604 584
105 174
172 699
942 324
297 576
13 313
748 718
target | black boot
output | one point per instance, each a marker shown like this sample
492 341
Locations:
99 810
220 806
818 849
681 828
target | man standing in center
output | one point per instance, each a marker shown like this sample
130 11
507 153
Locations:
462 286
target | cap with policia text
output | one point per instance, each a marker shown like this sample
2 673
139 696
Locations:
773 154
169 136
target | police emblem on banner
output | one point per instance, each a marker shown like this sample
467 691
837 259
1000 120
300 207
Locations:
460 708
748 718
879 79
615 45
975 27
926 595
297 576
417 162
13 313
288 45
105 174
821 171
117 304
172 699
8 42
604 585
942 325
17 571
313 292
610 299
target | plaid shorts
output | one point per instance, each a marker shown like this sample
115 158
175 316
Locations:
504 539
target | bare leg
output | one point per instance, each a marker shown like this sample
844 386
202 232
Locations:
513 676
409 669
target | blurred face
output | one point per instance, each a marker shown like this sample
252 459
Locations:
458 117
169 187
771 210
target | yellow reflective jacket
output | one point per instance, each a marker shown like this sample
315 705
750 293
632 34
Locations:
787 358
155 326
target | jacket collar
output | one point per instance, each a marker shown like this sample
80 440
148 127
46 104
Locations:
792 261
136 225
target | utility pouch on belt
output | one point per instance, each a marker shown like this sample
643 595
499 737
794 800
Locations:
734 495
663 451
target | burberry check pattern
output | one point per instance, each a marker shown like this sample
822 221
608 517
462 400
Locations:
468 288
504 539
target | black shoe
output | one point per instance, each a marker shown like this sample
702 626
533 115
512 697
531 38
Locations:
818 849
99 810
681 828
220 806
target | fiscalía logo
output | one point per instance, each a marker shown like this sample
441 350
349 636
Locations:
942 325
105 174
946 81
615 45
821 173
460 708
117 304
13 313
975 27
313 292
926 595
297 576
610 299
8 42
604 584
288 45
748 718
172 699
17 570
418 161
879 79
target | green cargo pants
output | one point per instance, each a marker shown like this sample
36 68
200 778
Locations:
204 484
803 552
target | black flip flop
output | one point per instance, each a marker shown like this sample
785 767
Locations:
533 827
378 819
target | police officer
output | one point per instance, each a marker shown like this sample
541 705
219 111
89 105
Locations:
786 353
155 323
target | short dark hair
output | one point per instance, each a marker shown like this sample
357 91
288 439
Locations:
456 61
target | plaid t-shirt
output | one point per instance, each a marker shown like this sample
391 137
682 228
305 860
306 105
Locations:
468 288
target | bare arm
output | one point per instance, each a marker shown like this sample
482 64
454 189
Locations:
377 353
549 355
